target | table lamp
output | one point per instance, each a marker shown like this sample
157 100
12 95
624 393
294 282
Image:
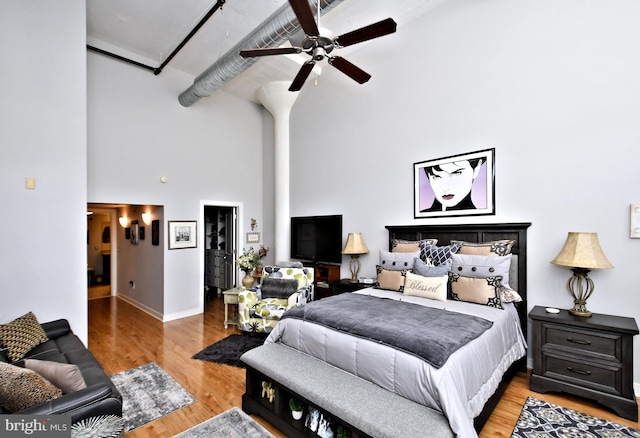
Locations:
581 253
355 247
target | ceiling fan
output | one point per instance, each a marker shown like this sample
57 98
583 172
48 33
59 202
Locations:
319 43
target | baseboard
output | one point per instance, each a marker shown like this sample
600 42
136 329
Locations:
141 306
179 315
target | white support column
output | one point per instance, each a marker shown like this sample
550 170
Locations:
278 100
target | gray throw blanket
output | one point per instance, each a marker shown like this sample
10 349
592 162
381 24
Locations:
428 333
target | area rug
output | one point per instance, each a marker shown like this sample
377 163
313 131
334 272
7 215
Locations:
233 423
149 393
228 350
546 420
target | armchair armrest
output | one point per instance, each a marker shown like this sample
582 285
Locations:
246 299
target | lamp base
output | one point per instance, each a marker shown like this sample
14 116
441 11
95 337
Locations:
354 265
581 287
579 312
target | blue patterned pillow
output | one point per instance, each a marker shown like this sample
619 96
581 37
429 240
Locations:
438 254
428 270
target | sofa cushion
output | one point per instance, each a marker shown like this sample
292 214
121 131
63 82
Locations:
21 335
63 375
21 388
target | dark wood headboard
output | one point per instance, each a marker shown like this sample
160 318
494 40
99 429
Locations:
476 233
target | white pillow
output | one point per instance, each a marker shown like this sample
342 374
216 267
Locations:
434 288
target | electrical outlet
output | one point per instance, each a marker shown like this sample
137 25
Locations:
132 284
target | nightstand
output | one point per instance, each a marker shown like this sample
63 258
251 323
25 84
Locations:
345 285
591 357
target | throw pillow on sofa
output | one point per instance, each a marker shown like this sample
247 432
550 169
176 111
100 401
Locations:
21 335
21 388
63 375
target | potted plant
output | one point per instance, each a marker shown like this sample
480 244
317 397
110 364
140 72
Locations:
296 407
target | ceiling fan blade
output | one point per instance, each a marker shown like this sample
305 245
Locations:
375 30
302 76
349 69
250 53
307 21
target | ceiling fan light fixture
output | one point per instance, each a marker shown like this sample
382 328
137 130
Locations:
319 42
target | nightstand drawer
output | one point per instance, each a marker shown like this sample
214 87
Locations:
598 344
602 378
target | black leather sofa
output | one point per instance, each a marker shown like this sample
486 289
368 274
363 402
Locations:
100 397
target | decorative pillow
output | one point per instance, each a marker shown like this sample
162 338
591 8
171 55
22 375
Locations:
427 269
21 388
434 288
397 261
475 290
302 274
398 245
391 280
63 375
477 266
278 287
21 335
495 248
438 254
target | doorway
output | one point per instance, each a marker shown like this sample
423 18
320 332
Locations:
220 248
100 235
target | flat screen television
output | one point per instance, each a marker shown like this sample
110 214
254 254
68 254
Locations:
317 239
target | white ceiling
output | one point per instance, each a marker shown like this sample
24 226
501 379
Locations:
148 31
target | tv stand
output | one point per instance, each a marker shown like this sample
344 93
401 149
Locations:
324 274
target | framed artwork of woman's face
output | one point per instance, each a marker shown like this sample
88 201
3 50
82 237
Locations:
458 185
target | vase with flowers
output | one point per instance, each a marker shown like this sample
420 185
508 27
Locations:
247 262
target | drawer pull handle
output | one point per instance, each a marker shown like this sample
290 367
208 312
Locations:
579 341
584 373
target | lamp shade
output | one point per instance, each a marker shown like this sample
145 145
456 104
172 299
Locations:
355 244
582 250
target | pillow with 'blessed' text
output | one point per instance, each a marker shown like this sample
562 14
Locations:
434 288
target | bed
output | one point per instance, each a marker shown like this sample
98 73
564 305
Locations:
468 384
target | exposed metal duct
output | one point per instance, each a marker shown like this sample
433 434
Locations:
273 32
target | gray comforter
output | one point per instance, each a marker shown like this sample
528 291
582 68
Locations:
459 389
429 333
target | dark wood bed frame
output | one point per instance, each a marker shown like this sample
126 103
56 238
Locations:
479 233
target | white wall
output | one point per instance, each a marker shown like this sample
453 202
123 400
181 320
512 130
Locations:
139 132
552 85
43 135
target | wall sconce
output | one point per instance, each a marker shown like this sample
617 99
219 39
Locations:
581 253
354 247
146 218
124 221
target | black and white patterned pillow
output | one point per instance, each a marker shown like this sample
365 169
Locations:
21 335
438 254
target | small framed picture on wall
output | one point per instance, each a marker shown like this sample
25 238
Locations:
182 234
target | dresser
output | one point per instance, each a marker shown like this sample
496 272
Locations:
591 357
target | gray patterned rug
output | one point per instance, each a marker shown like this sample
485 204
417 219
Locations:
148 393
540 419
233 423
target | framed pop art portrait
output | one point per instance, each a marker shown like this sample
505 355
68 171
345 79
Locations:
459 185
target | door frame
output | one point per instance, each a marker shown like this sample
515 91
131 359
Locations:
113 237
238 210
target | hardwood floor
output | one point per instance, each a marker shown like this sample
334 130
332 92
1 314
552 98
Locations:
123 337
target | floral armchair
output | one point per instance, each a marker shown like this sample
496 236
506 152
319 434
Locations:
280 289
